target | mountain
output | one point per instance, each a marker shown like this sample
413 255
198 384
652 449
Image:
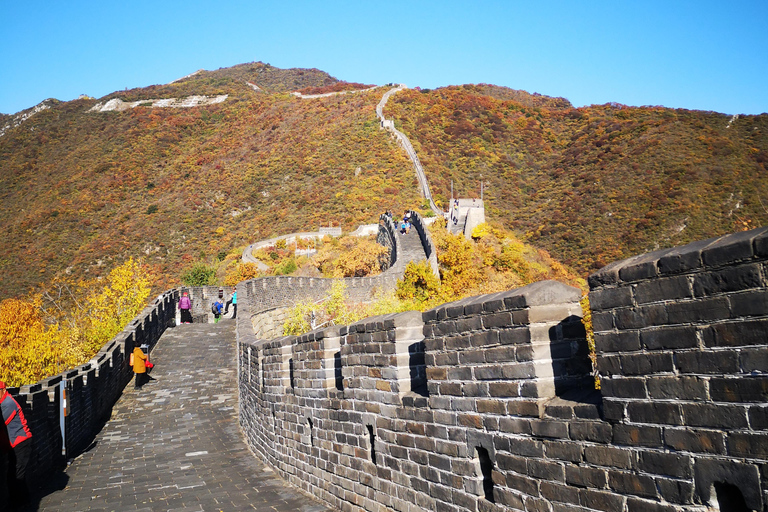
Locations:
593 184
81 190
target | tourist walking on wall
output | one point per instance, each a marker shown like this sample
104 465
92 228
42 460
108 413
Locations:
217 309
233 301
15 442
185 307
139 362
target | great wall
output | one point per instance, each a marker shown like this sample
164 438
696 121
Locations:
487 403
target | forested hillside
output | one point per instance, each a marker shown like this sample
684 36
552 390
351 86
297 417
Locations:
81 191
592 184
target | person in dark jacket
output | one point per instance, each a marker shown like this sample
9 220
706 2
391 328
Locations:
16 443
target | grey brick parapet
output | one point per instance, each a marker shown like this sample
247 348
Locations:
682 348
92 390
490 407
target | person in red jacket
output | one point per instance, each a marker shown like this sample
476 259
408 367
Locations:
16 443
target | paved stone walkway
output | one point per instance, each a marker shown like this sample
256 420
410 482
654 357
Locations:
176 445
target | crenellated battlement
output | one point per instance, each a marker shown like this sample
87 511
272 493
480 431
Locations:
486 403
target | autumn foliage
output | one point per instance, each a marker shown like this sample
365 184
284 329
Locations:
67 323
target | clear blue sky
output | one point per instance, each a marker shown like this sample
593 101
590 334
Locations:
705 55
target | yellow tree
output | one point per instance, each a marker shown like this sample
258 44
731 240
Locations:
117 303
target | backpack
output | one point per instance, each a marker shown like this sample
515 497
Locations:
214 309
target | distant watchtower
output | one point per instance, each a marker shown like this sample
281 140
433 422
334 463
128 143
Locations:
464 215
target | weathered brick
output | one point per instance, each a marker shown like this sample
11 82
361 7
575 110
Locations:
514 463
472 356
564 450
602 321
695 441
709 309
613 410
707 362
678 387
642 316
526 447
609 365
624 387
546 470
500 354
729 248
669 338
632 484
655 412
657 290
715 416
488 372
645 364
666 464
597 500
740 389
556 492
595 431
504 389
682 259
608 456
584 476
754 360
624 341
758 417
608 298
491 407
549 428
675 491
640 505
760 243
469 324
529 486
515 336
729 279
736 334
748 445
750 303
528 408
503 319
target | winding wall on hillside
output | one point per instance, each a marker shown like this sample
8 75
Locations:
389 125
485 405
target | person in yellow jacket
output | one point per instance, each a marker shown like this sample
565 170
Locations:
139 367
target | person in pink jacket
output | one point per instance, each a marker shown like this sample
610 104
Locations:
15 441
185 307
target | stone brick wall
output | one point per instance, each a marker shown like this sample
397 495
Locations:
682 342
486 405
92 389
387 236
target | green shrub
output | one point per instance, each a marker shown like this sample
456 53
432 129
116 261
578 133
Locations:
287 266
199 275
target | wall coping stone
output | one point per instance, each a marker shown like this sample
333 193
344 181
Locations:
712 252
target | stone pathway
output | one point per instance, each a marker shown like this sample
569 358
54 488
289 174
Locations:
176 445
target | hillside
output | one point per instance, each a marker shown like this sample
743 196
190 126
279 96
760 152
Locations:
82 191
592 184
